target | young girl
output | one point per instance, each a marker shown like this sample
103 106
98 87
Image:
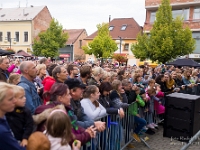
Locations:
20 120
14 78
91 106
151 93
59 131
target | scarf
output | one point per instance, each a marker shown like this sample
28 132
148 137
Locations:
170 84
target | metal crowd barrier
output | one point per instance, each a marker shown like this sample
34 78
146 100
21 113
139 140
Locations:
116 136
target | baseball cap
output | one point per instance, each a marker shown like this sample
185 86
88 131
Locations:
73 83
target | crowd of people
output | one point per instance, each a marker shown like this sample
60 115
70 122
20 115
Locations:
45 105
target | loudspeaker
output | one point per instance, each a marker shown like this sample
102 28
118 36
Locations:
182 116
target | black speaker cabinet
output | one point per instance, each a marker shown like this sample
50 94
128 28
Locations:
182 116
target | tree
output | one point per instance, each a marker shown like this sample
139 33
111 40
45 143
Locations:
50 41
120 58
167 40
102 45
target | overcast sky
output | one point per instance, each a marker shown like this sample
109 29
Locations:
78 14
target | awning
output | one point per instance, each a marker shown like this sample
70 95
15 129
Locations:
64 55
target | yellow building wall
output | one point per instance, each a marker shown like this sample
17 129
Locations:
16 26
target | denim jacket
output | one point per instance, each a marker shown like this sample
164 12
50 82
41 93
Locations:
33 100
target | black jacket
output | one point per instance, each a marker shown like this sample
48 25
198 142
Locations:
20 122
131 96
105 102
4 75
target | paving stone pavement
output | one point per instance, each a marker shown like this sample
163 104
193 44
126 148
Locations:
158 142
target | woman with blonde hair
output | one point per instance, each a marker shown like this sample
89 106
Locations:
7 104
96 76
41 73
113 76
106 76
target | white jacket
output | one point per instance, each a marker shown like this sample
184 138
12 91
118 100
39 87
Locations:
91 110
56 144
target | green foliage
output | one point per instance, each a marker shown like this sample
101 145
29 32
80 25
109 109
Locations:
102 45
50 41
167 40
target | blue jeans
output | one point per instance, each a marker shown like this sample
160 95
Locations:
140 124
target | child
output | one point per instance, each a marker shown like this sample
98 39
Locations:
151 93
59 131
14 78
20 120
133 110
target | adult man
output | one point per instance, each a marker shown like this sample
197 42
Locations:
4 74
29 73
76 91
73 71
85 74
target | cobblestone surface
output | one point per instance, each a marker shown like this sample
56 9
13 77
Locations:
158 142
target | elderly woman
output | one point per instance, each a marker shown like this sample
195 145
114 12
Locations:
7 104
97 73
118 96
41 73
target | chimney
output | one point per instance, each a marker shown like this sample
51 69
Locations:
109 18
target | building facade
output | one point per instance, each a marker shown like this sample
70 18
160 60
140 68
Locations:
189 10
124 32
73 49
19 26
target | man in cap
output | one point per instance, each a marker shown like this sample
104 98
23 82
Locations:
76 90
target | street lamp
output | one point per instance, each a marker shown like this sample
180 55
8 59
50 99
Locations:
120 44
10 40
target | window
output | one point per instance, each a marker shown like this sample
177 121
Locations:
123 27
152 17
111 28
184 13
1 36
126 46
17 36
80 43
8 36
25 36
196 14
196 36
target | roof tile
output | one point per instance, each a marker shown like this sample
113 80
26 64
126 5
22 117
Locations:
131 31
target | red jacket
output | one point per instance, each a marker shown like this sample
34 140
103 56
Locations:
47 83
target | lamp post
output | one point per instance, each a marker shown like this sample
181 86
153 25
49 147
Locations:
10 40
120 44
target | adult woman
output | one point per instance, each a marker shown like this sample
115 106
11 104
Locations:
170 83
41 73
7 104
91 106
104 99
186 81
59 95
96 76
117 96
161 81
